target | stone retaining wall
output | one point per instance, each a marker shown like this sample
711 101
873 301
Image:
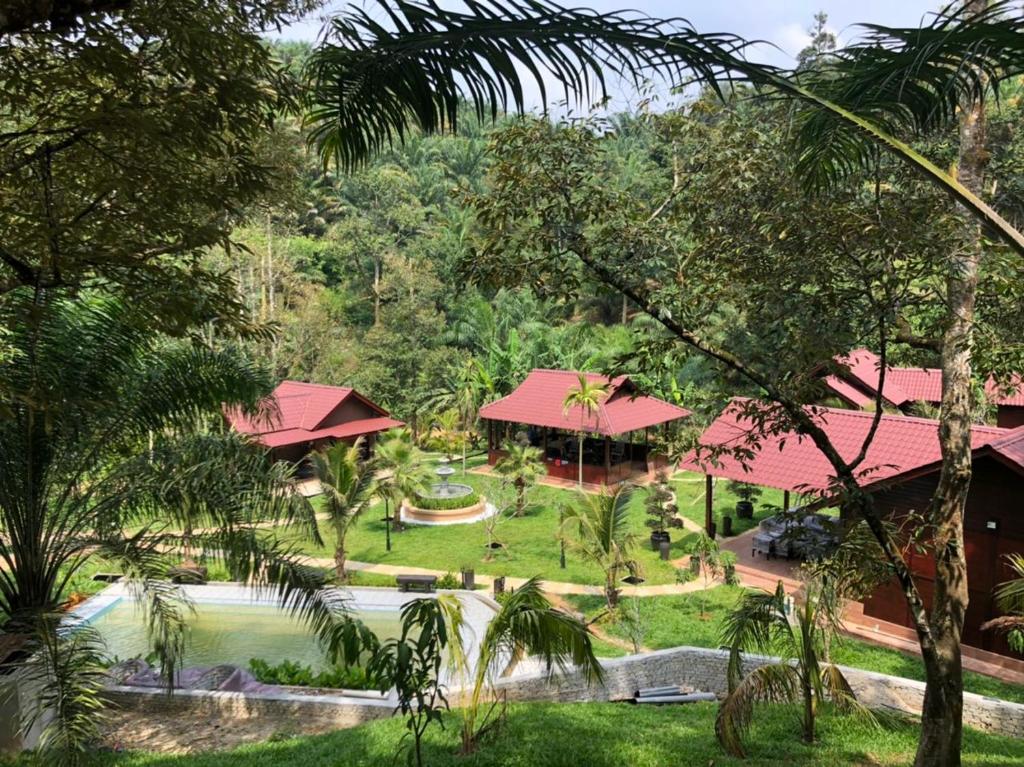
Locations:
705 670
279 711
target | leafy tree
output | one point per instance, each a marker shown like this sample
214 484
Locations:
526 626
346 484
156 149
587 395
522 467
760 623
597 528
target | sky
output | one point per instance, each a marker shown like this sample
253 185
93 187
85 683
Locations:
781 22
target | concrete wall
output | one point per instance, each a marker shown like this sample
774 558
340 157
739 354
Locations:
705 670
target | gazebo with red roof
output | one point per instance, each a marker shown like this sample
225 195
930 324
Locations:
621 426
304 417
900 470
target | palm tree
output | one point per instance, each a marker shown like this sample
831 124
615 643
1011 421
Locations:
1010 599
600 523
526 626
346 482
760 623
587 396
85 388
402 474
521 465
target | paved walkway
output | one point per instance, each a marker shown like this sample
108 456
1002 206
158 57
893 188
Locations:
560 588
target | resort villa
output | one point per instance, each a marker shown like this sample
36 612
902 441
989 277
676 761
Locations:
905 387
901 471
303 417
618 445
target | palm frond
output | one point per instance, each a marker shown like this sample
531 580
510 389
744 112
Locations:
908 81
756 623
67 674
771 683
835 684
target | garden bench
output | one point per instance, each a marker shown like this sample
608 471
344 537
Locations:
424 583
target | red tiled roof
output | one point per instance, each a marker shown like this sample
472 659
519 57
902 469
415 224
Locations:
790 462
848 392
864 367
904 385
1009 448
342 431
297 413
537 401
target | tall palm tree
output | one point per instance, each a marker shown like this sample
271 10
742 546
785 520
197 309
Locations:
597 528
526 626
402 473
85 387
346 482
760 623
522 466
587 396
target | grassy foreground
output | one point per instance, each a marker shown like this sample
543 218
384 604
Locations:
671 621
601 735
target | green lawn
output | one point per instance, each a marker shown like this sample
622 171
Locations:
675 620
530 542
602 735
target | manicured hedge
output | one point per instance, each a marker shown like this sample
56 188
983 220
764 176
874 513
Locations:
442 504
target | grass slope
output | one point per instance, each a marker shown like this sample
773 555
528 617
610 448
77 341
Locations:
602 735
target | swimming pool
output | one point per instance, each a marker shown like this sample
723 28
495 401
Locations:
233 623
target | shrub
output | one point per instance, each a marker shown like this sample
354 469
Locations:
448 581
444 504
294 674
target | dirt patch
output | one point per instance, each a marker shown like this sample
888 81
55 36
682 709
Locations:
143 731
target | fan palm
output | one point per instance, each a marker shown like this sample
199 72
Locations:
526 625
587 396
520 465
85 388
600 523
372 83
346 482
760 623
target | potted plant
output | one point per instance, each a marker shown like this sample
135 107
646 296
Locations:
661 511
727 560
468 577
747 495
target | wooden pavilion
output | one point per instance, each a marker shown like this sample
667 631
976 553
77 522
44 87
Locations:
619 433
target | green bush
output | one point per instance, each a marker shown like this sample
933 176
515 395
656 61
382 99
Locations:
296 675
448 581
444 504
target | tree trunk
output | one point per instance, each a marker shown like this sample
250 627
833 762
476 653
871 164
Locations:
339 562
808 717
942 712
581 460
376 291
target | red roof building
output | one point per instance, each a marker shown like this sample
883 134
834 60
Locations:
903 387
901 471
623 423
304 417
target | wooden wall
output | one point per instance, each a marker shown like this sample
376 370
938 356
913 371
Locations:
996 495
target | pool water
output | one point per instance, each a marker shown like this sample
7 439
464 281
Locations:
232 633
